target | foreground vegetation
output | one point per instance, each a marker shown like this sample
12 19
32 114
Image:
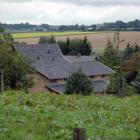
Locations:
51 117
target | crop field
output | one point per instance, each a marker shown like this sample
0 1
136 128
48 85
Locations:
97 39
38 34
52 117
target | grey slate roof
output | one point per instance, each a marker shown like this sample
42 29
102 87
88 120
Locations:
80 59
50 62
99 86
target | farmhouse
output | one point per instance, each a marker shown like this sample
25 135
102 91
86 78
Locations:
52 68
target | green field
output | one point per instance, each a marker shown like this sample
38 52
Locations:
39 34
51 117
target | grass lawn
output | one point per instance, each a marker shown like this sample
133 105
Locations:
52 117
39 34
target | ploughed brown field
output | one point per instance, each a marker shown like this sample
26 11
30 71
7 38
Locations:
98 40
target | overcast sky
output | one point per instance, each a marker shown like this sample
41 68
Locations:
68 11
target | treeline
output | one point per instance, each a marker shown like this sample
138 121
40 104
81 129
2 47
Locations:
112 26
26 27
118 25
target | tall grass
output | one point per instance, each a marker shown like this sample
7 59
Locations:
51 117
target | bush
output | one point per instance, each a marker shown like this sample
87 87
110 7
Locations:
118 86
78 83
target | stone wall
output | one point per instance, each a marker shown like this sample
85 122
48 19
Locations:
39 83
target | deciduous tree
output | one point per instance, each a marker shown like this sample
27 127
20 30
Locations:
16 69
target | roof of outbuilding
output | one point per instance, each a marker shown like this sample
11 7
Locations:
50 62
99 86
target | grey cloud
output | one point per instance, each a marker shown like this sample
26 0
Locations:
86 2
100 2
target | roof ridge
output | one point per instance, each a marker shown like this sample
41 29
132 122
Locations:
105 66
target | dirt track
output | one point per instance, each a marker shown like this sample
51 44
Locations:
98 40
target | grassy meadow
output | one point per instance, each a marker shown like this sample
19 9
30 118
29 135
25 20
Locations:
52 117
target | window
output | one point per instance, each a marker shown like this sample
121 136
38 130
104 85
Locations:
54 81
92 77
38 58
103 76
65 79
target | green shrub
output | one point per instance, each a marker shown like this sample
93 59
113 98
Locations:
78 83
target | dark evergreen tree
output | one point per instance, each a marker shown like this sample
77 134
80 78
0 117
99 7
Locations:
110 56
64 46
75 46
85 48
51 39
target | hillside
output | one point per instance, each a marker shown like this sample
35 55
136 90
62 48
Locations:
51 117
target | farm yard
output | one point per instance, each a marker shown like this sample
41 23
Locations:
97 39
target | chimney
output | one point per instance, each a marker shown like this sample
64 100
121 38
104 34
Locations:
53 59
93 54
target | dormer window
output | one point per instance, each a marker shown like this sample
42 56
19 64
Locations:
38 58
48 52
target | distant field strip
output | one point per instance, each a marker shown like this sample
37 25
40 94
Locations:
39 34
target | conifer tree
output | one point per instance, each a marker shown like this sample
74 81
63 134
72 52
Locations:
110 56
